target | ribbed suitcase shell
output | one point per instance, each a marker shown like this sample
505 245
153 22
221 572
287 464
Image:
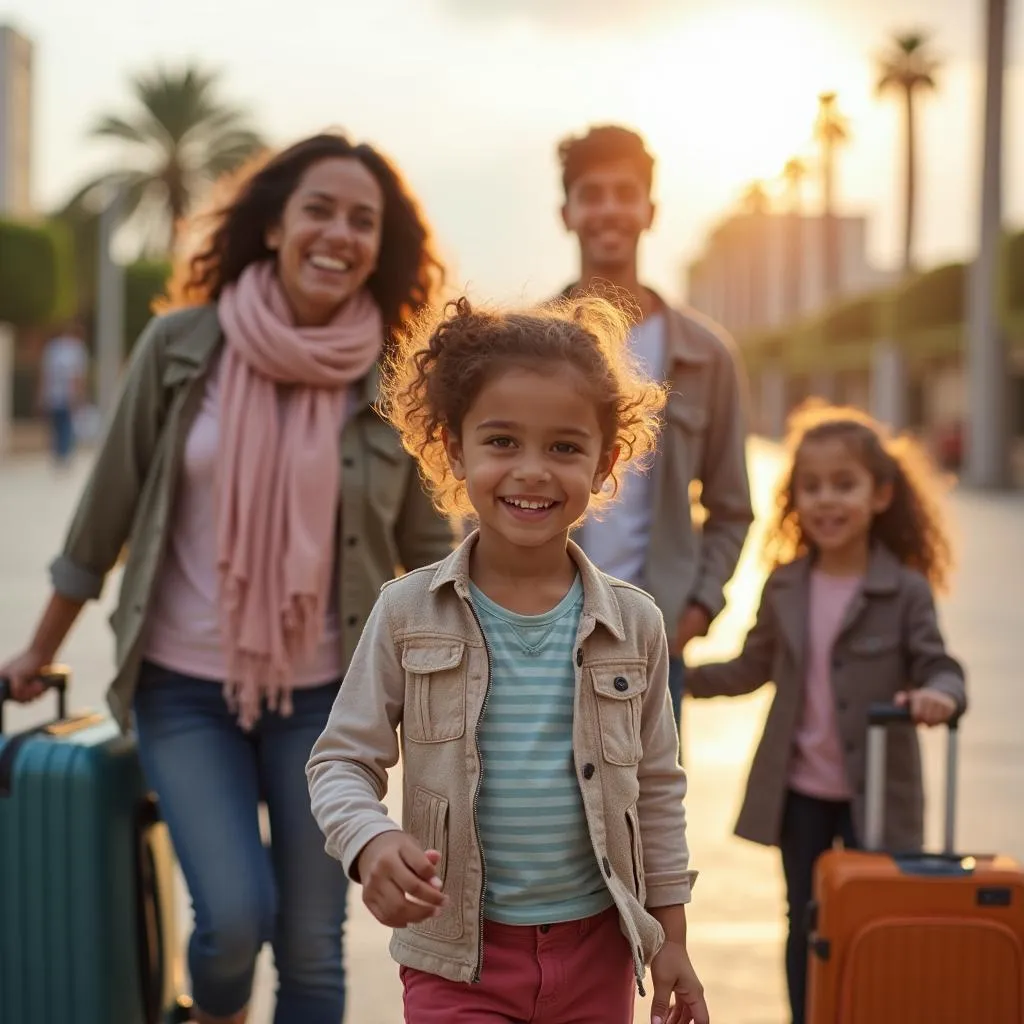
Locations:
916 940
69 923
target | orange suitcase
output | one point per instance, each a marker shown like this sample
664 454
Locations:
914 939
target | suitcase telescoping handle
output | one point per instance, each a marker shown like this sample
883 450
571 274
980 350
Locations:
880 717
53 677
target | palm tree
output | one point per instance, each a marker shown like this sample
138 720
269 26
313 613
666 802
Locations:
754 206
907 69
794 174
754 199
180 137
831 130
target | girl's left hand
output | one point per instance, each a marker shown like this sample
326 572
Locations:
927 707
672 972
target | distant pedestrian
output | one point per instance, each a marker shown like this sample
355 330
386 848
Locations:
847 618
63 387
542 862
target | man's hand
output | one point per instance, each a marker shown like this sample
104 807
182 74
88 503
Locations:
927 707
672 972
400 883
693 622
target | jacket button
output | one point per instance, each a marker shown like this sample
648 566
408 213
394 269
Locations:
607 867
353 620
352 541
579 656
621 684
837 663
348 462
588 771
842 705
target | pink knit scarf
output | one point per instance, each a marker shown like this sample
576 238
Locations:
284 391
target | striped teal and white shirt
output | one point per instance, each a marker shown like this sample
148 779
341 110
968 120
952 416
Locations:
541 866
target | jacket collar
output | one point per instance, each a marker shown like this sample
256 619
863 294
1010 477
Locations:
793 588
881 577
679 327
599 601
191 350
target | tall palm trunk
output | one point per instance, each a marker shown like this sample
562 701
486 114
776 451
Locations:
830 225
988 392
910 185
794 257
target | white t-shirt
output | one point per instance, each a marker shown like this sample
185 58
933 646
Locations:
617 542
65 361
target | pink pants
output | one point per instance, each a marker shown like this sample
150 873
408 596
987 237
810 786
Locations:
578 972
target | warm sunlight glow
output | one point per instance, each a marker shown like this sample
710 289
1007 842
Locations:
736 87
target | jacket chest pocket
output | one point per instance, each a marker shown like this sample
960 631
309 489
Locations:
685 423
386 470
877 659
619 690
435 691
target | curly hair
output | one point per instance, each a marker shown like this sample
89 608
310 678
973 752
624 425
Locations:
912 527
438 367
408 272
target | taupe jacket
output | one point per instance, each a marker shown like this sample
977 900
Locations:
704 442
889 641
386 520
416 688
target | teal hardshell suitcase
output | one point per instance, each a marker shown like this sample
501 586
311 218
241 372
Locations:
87 917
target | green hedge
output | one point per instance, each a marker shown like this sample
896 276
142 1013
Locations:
144 282
1013 268
857 319
935 299
37 277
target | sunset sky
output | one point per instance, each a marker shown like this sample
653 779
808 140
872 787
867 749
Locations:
471 96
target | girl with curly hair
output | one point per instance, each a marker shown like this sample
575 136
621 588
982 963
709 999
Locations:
847 618
541 862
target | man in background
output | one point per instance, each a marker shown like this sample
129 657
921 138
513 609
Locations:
648 537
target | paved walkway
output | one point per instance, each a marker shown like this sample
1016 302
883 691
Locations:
736 928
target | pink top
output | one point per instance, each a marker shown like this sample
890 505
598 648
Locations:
817 767
183 633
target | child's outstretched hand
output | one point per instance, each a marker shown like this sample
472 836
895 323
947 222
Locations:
927 707
400 883
671 971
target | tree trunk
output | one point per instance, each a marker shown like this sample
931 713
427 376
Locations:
988 390
829 225
910 184
794 263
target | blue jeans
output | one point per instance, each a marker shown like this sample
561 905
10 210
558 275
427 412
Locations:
210 776
676 678
62 433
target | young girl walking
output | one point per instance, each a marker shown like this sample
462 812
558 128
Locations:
847 618
542 861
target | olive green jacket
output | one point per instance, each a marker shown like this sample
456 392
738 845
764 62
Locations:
386 521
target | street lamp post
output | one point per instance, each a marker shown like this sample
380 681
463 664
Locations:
109 308
988 388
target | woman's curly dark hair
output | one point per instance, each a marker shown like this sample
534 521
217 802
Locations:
439 366
408 272
912 527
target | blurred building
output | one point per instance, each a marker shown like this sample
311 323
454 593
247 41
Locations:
761 271
15 123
